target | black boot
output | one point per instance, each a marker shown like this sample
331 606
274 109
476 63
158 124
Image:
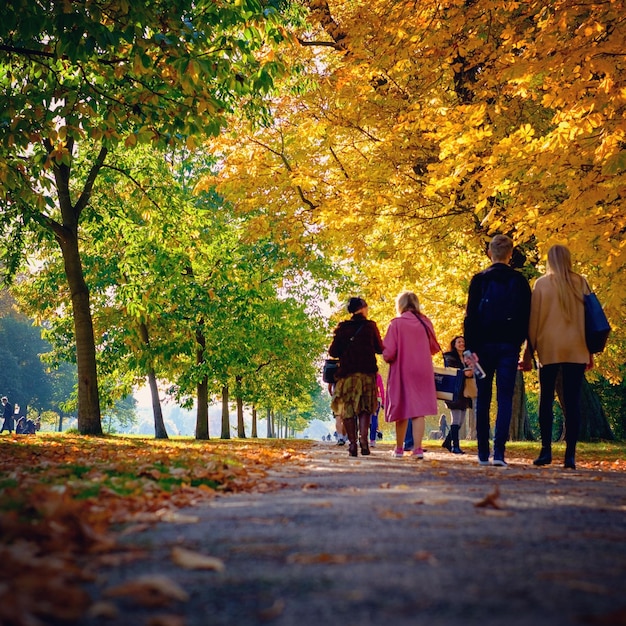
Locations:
364 432
350 425
447 442
545 456
454 432
545 427
570 456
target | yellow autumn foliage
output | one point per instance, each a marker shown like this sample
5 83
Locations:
415 131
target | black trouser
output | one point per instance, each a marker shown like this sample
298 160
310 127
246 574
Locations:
572 374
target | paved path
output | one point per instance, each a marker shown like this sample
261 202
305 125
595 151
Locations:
386 541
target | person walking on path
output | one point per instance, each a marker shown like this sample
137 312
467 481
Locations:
495 327
443 426
7 414
356 343
557 332
409 345
458 410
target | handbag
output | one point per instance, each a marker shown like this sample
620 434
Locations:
470 389
597 327
449 381
329 370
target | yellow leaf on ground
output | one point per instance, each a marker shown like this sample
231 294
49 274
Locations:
149 591
193 560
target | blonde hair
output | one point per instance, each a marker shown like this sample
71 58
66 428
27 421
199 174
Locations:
407 301
560 268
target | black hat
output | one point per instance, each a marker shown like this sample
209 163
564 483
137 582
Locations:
356 304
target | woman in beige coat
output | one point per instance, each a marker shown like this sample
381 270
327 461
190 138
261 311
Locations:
557 333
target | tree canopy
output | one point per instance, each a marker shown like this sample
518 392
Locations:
78 79
375 144
416 131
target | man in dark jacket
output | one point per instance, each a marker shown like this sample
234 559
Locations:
496 326
7 414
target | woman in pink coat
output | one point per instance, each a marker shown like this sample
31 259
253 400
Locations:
408 347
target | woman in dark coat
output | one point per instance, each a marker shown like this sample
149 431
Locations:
458 409
356 343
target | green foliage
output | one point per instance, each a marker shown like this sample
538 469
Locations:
613 399
120 416
81 79
24 377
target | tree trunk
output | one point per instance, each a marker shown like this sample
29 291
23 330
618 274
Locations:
254 435
89 419
159 425
594 424
269 423
225 414
241 427
520 424
202 390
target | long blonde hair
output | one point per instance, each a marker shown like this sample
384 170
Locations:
560 267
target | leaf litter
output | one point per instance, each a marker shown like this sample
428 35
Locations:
65 500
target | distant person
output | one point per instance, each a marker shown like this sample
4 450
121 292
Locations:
408 348
443 426
380 386
496 326
458 409
557 333
20 425
7 415
26 426
356 343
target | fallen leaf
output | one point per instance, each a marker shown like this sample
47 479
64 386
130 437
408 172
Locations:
490 500
272 612
192 560
105 610
391 515
173 517
154 590
423 555
323 557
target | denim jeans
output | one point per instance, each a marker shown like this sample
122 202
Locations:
409 443
374 425
572 375
499 360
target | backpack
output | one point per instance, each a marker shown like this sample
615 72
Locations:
499 303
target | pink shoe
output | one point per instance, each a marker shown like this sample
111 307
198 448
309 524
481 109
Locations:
418 453
398 453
